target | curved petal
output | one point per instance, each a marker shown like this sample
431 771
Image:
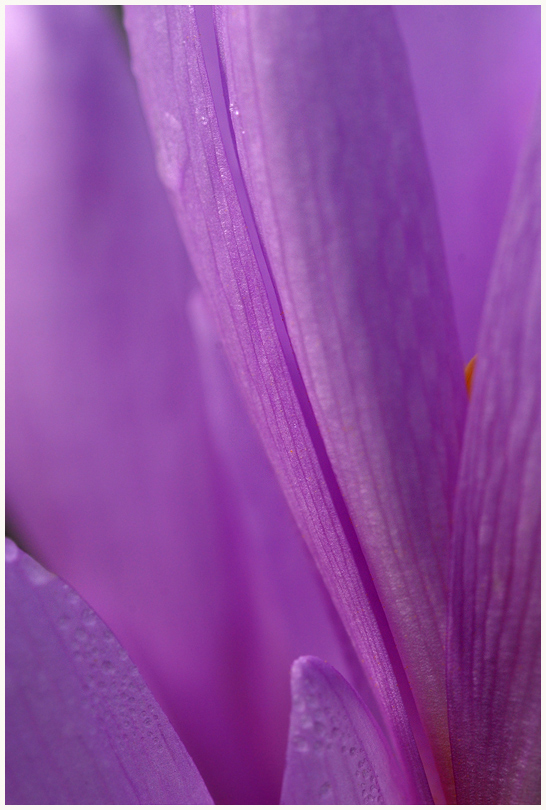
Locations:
330 149
336 752
197 166
81 726
114 477
476 75
494 643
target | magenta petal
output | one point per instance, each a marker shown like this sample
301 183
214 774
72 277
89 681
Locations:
494 643
336 752
114 474
476 74
330 148
81 726
170 68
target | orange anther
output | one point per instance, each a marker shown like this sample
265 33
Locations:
469 374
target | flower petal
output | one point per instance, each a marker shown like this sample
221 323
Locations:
476 74
115 480
196 165
81 726
290 597
494 640
336 752
330 149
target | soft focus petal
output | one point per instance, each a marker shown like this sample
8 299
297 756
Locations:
114 479
476 75
290 599
494 643
196 165
336 753
81 726
331 153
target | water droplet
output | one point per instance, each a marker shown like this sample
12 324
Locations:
300 743
298 704
204 120
352 751
234 109
88 618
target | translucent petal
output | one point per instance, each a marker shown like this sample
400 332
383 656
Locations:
164 515
196 164
81 726
336 753
330 149
494 639
476 75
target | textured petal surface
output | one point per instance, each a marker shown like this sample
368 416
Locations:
494 645
328 138
81 726
476 75
336 753
115 476
216 223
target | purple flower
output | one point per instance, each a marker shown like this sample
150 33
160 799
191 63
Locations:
289 142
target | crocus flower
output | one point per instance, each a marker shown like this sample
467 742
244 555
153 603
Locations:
289 144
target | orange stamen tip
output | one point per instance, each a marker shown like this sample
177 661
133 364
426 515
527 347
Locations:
469 374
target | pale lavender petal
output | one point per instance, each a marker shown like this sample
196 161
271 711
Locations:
81 726
196 165
336 752
494 639
329 144
114 477
476 75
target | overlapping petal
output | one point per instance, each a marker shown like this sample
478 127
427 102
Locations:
81 726
494 639
336 752
476 74
329 142
115 479
198 165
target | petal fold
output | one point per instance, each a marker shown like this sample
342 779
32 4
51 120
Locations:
197 163
330 148
81 726
336 752
494 638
